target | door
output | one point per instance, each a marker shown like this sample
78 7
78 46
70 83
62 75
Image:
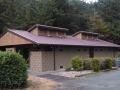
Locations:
91 52
26 54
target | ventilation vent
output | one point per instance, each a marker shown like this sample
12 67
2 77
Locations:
49 35
60 36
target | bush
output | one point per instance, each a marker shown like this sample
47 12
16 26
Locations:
13 70
77 63
113 62
86 63
106 63
109 63
102 63
95 64
118 54
67 68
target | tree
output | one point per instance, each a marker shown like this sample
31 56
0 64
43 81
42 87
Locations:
110 11
97 24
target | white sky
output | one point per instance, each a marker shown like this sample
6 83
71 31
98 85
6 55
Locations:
88 1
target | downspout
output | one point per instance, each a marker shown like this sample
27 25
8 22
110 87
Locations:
54 60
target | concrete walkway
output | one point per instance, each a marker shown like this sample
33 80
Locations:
103 81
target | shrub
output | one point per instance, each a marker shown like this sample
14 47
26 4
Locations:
109 63
113 62
77 63
13 70
95 64
67 68
102 63
118 54
86 63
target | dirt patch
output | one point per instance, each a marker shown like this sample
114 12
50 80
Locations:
38 83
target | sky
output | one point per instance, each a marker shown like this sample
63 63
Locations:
88 1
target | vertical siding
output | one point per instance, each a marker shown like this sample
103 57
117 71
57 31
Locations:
106 52
11 39
36 61
63 58
35 31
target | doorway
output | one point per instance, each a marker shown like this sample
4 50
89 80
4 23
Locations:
26 54
91 52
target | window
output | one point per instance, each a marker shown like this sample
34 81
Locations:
85 50
61 50
78 49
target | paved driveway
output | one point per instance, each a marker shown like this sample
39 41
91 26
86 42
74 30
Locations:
103 81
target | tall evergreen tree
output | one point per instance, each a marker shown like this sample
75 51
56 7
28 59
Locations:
110 11
97 24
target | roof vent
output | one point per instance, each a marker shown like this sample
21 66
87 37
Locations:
49 35
60 36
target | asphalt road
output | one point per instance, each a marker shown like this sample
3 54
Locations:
103 81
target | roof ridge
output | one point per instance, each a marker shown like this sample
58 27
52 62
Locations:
46 26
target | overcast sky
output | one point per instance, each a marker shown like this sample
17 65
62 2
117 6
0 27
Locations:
88 1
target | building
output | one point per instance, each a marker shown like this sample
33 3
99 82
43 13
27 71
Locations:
49 48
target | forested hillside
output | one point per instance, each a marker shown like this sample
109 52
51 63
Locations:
102 17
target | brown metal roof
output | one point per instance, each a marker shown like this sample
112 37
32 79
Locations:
47 27
69 40
85 32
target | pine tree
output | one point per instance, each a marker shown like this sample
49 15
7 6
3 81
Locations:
97 24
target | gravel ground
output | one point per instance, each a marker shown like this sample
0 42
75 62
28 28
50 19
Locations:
64 76
72 74
103 81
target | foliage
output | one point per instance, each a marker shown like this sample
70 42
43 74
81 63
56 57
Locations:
67 68
13 70
118 54
86 63
72 14
102 63
95 64
109 63
110 11
97 24
113 62
106 63
77 63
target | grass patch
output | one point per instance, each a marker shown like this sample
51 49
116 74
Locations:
91 74
96 73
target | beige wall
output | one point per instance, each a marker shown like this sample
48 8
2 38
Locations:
11 39
106 52
36 61
35 31
44 60
63 58
47 60
41 61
